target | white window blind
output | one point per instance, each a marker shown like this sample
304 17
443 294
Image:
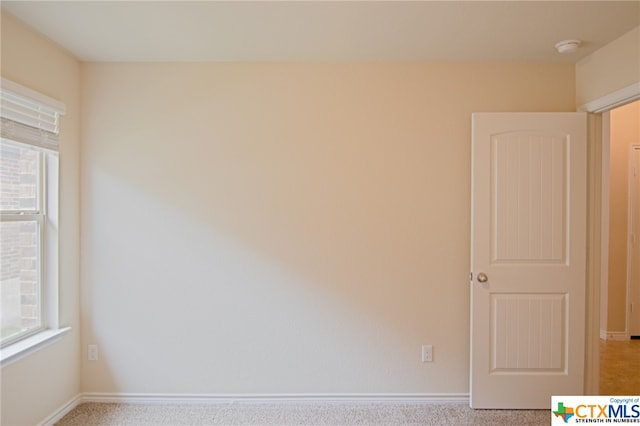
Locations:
28 116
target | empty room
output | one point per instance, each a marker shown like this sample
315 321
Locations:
341 212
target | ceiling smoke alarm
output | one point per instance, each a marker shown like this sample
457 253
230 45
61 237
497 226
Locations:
568 46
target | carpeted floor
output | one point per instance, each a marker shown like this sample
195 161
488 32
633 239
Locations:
303 413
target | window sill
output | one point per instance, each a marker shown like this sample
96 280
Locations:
19 350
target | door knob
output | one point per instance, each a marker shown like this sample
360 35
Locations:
482 277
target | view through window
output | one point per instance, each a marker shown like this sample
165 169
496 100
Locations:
21 232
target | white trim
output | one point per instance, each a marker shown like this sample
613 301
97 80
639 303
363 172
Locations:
592 338
612 100
617 335
62 411
50 246
630 226
49 270
603 334
605 201
24 347
139 398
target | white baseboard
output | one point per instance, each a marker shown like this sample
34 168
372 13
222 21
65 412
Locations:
617 335
136 398
603 334
62 411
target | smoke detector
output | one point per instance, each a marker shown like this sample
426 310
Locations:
568 46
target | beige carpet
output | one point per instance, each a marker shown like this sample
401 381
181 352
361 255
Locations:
303 413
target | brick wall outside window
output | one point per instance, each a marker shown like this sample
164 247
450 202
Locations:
18 240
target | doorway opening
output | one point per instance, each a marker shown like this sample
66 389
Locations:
621 132
620 266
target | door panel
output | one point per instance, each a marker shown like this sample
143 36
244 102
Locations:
529 239
529 174
527 332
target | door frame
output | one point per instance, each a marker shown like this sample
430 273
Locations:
630 221
597 222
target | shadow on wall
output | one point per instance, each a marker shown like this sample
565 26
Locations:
279 228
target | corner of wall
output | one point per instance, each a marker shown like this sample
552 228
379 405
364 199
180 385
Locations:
614 67
38 384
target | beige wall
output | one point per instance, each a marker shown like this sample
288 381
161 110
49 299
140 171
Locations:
270 228
39 384
285 228
625 131
611 68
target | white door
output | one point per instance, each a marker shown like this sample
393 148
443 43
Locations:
633 265
528 258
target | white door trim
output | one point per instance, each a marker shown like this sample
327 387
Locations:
627 327
597 190
613 100
594 256
604 221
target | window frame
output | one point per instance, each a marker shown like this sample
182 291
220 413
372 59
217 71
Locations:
39 216
45 143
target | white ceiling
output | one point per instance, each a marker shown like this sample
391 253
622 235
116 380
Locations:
327 30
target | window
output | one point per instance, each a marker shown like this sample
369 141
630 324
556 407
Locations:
22 234
28 219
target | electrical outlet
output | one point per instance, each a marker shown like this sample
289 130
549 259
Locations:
427 353
92 353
